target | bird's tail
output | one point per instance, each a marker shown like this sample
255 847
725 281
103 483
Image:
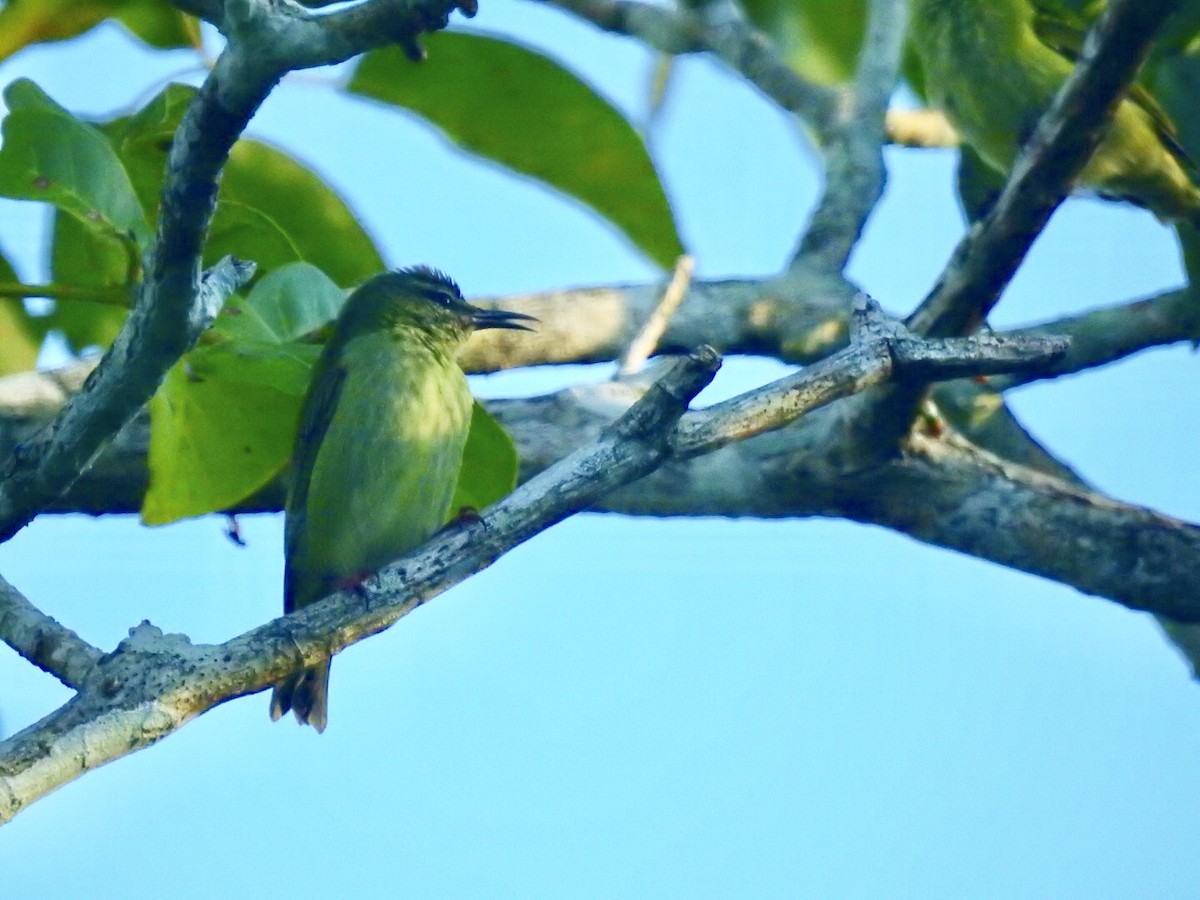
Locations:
306 694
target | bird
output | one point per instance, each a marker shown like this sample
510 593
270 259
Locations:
994 66
378 448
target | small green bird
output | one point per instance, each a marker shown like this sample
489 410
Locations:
994 66
379 446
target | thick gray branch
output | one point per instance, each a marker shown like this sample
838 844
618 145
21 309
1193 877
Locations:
982 506
800 317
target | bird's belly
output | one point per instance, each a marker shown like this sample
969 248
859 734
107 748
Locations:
384 479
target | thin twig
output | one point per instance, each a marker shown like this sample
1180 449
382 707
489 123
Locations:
37 637
723 31
852 146
117 296
646 340
1106 335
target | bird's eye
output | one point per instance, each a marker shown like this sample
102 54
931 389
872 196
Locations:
442 298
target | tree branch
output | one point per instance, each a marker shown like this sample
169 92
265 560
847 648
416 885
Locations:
984 261
152 684
721 29
882 351
852 144
987 257
51 647
800 317
1036 523
1102 336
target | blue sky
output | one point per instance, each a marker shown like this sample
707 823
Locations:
652 708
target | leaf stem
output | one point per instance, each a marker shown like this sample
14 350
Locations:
114 296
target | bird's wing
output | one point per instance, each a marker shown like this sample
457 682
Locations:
319 404
1064 31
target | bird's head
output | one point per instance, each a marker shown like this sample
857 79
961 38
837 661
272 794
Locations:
425 300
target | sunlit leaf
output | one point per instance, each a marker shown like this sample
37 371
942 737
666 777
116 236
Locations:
157 22
286 305
820 38
221 427
50 156
525 111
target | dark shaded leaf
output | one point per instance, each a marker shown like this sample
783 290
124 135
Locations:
489 469
523 110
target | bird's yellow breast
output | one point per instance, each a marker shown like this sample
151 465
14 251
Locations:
384 477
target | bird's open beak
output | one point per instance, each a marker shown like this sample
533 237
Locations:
501 318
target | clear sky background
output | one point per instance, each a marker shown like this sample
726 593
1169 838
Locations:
700 708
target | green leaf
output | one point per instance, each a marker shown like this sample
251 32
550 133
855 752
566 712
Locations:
270 209
159 24
286 305
143 140
50 156
223 422
489 469
525 111
221 427
248 233
318 223
819 38
19 340
26 22
84 257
